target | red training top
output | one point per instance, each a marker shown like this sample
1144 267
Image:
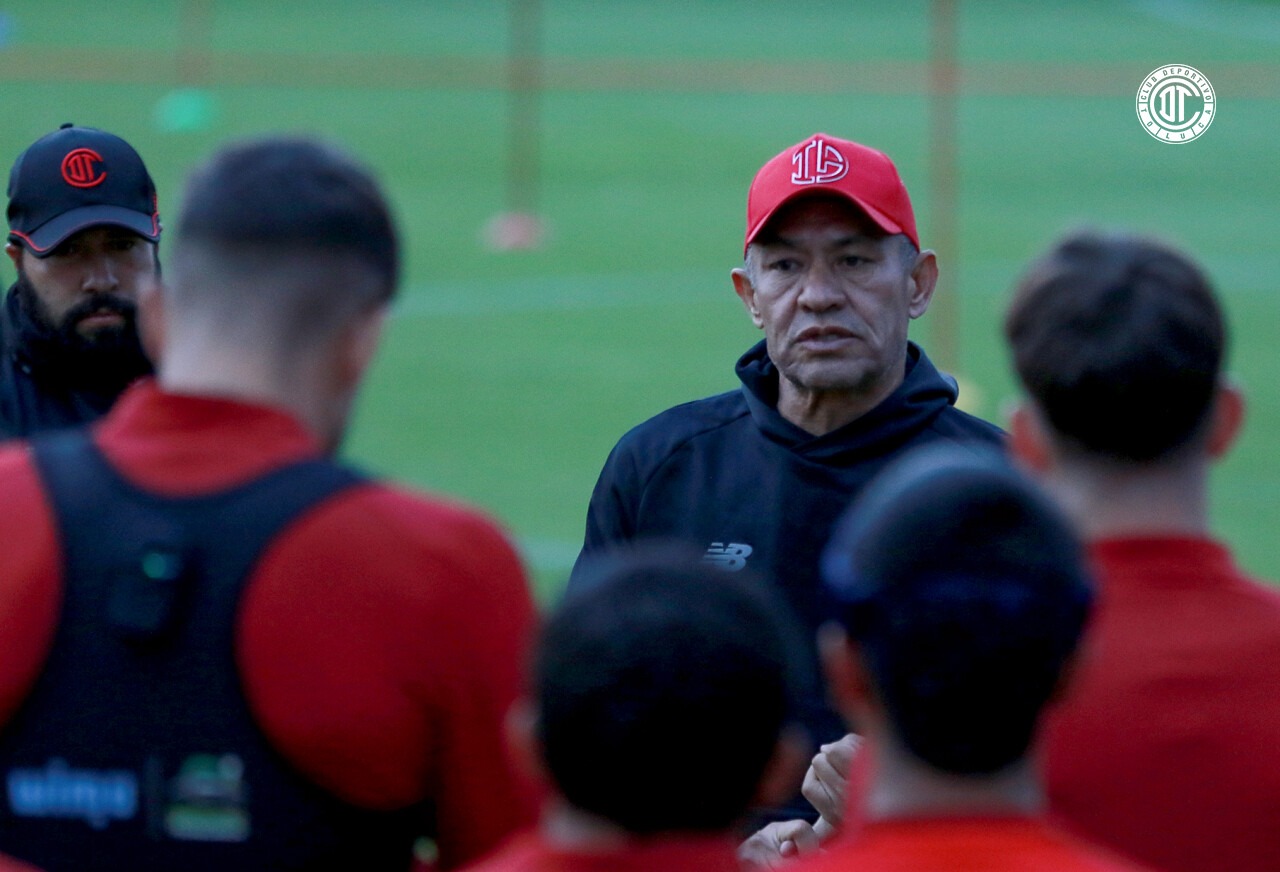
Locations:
530 853
994 844
381 636
1167 746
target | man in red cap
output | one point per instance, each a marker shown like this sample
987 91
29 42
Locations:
756 477
83 229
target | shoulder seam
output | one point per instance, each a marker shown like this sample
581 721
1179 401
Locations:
676 446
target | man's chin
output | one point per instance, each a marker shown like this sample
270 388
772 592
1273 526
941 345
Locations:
100 334
107 354
832 376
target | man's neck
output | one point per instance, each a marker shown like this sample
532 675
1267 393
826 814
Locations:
819 412
906 787
217 372
1113 500
570 828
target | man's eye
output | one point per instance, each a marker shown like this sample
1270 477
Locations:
852 260
782 264
124 243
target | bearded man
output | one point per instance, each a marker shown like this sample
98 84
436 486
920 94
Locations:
83 230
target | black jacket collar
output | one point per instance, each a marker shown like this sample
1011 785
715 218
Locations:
922 396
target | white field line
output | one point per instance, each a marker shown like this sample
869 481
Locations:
1234 276
563 293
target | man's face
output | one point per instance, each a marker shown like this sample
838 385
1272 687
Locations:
86 289
834 295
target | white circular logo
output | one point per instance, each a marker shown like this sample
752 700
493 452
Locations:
1176 103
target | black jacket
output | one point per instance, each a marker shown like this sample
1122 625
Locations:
38 389
730 474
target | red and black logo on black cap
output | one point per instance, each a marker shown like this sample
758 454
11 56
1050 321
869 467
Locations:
80 168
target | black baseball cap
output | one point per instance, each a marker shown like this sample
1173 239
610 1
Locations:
78 177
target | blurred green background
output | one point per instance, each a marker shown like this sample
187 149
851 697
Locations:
507 375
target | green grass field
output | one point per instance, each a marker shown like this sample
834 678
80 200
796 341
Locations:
506 377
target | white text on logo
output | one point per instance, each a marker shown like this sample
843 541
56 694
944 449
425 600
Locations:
57 791
818 163
1175 103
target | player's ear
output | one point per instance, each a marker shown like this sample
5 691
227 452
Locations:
746 292
523 744
1028 442
923 282
15 254
784 772
359 343
1228 417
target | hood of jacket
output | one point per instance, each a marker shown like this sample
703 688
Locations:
923 395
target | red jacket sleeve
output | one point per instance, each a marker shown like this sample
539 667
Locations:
382 641
30 578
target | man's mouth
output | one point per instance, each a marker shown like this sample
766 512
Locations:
101 318
824 337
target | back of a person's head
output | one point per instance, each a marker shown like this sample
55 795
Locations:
663 688
288 228
966 591
1119 341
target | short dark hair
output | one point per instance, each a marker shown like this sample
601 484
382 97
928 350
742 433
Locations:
292 196
1120 342
966 590
664 684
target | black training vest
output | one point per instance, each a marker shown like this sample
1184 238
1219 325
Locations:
136 749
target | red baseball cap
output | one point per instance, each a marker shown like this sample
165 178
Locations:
825 164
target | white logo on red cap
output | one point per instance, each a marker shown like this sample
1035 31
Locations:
818 163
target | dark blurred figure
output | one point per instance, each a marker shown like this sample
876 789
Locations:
83 231
961 594
663 695
225 650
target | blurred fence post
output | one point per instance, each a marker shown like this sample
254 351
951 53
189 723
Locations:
945 313
190 107
194 38
519 226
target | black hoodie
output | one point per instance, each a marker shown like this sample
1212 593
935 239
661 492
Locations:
731 475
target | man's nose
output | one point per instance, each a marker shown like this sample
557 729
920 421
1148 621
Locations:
99 275
820 290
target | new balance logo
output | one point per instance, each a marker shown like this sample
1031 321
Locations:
818 163
730 556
